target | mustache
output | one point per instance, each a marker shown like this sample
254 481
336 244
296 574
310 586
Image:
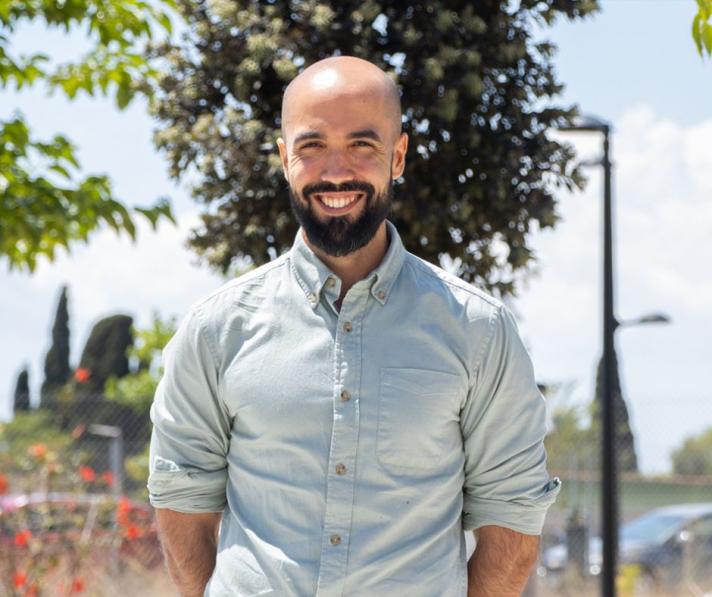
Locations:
344 187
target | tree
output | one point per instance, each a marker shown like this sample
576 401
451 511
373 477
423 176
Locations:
44 204
136 389
105 353
702 27
694 456
22 392
476 91
571 443
624 440
56 368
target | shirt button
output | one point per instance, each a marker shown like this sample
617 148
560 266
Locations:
311 297
335 539
381 294
340 469
347 326
330 282
345 396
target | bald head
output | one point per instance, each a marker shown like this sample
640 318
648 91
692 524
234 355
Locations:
337 78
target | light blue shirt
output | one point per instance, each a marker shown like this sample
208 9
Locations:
348 449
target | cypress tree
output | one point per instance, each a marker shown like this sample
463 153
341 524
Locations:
624 440
105 353
22 392
56 368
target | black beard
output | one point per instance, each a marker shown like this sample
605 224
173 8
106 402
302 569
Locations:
337 235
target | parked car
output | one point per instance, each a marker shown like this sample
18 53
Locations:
670 546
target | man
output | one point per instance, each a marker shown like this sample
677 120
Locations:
329 423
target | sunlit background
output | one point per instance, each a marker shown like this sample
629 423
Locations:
633 64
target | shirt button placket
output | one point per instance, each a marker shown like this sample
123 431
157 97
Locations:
342 455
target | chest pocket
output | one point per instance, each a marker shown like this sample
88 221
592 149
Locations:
418 418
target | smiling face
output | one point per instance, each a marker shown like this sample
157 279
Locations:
341 150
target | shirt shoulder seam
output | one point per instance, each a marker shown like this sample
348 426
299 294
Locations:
453 281
257 273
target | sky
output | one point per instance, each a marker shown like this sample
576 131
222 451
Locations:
633 64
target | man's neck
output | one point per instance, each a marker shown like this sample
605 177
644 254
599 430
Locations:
357 265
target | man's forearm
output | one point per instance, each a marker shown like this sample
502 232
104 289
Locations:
189 544
502 562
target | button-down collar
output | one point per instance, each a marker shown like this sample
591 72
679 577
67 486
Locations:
312 273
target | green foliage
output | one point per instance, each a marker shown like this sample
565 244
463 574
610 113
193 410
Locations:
694 456
476 91
105 353
572 445
44 204
702 28
57 369
21 400
137 468
24 431
136 389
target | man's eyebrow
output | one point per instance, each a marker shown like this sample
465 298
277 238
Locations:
365 134
307 136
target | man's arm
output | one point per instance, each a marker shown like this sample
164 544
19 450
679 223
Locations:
189 544
501 563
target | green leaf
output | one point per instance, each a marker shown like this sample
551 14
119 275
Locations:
696 34
707 38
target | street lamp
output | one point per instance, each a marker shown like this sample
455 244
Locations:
643 320
609 473
609 482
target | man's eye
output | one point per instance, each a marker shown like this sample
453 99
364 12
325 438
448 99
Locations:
363 144
310 145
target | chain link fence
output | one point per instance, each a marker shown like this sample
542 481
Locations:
75 518
74 513
665 521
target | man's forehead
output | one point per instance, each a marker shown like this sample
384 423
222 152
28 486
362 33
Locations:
341 99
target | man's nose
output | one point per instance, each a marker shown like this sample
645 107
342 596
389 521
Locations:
337 168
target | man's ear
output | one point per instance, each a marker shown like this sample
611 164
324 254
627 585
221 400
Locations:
399 151
282 146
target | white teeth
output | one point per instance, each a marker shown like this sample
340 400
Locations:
337 202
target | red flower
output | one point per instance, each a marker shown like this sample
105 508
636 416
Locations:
32 591
124 505
108 478
132 532
4 484
87 474
77 585
38 451
19 579
82 374
22 538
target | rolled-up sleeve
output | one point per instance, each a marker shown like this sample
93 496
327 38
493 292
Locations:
191 426
503 425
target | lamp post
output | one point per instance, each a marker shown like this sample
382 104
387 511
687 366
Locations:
609 472
609 482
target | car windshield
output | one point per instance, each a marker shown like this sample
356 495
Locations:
652 528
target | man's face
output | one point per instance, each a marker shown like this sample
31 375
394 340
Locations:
340 156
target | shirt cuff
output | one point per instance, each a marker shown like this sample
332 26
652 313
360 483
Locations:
188 491
524 517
